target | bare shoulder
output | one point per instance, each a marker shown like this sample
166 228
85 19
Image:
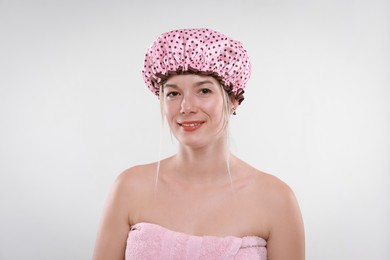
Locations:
136 175
276 191
265 185
123 203
277 207
275 194
137 178
133 187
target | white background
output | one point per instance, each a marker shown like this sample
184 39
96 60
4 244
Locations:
74 113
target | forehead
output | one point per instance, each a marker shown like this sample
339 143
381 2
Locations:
191 79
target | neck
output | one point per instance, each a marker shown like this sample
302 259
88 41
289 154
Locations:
205 164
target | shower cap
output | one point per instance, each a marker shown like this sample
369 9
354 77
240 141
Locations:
197 51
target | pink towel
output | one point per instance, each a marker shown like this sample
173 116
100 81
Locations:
151 241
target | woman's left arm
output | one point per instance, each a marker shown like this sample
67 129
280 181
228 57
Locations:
287 237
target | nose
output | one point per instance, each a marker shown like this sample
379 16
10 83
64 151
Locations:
188 105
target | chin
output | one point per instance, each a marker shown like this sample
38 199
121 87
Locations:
192 143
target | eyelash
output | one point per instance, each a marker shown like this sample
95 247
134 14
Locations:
172 94
203 89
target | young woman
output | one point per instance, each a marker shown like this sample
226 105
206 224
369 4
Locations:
203 202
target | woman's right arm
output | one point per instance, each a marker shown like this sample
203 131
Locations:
114 225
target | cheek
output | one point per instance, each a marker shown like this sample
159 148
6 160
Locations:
215 107
170 110
169 118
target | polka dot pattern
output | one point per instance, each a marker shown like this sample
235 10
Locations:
197 51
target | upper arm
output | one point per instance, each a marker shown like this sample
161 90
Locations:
114 226
286 239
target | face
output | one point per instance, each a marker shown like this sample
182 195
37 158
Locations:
194 107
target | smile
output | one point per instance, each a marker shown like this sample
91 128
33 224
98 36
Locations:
191 126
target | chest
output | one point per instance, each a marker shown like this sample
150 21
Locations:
216 212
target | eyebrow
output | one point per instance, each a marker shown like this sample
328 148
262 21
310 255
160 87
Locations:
200 83
169 86
197 84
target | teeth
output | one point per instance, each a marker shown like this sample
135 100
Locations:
190 124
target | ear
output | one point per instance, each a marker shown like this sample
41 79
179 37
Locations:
233 104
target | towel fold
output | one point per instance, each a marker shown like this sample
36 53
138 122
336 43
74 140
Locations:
154 242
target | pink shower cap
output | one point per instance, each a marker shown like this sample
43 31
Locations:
197 51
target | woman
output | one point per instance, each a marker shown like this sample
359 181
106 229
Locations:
203 202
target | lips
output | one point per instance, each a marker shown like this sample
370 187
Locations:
190 125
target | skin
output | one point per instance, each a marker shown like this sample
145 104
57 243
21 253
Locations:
196 196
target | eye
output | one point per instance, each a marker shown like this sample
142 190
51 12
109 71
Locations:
171 94
205 91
